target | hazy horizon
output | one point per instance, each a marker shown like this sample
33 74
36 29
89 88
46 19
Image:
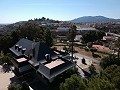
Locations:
23 10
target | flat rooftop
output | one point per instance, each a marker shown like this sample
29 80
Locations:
21 59
54 63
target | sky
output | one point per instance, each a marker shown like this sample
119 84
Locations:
22 10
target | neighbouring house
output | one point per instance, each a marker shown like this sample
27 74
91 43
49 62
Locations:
62 31
100 47
109 38
29 54
78 38
84 30
61 38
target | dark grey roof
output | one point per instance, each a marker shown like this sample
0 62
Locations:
53 72
40 50
25 43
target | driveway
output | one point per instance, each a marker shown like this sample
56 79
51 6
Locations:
88 61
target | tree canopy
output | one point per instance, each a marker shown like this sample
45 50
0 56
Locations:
110 60
48 38
108 79
5 43
74 83
92 36
72 33
15 86
31 31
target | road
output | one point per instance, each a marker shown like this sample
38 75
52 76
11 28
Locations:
86 57
89 61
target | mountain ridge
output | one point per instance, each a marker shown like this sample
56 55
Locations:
92 19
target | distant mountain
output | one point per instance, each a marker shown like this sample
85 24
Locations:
91 19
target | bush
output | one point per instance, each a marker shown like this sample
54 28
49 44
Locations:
25 86
14 86
103 52
93 49
86 49
54 48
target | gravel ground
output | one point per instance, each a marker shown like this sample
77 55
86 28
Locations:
5 78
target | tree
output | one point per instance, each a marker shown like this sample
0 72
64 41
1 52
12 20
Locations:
117 44
43 18
74 83
15 36
5 43
31 31
111 74
6 59
71 35
92 36
92 49
100 84
92 69
48 38
65 48
108 79
110 60
14 86
25 86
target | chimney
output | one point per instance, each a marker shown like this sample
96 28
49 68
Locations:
23 50
19 48
33 49
33 45
16 46
48 57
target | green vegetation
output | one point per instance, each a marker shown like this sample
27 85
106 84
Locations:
15 86
6 59
60 78
31 31
74 83
108 79
118 46
5 43
72 33
110 60
48 38
92 36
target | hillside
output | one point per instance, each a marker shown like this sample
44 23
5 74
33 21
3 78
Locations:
91 19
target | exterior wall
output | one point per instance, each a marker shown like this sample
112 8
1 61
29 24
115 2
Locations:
52 79
24 68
